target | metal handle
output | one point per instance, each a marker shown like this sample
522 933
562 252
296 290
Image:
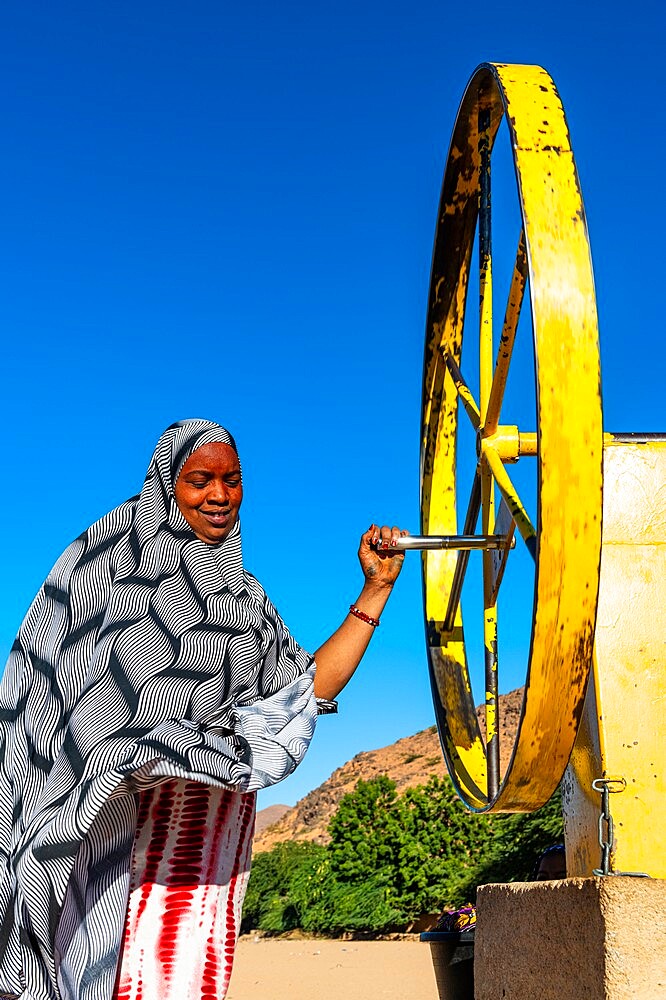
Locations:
465 542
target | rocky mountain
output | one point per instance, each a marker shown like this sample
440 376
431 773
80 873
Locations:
409 762
268 817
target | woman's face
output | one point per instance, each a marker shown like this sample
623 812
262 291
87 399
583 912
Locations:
552 866
209 491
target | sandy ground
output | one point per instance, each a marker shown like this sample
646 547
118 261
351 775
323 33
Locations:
332 970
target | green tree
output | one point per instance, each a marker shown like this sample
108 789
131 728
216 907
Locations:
411 846
365 831
441 841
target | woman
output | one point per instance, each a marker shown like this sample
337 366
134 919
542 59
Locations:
152 689
551 864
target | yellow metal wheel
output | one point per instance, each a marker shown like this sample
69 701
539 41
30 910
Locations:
563 532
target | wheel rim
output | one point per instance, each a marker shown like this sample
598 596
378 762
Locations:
564 534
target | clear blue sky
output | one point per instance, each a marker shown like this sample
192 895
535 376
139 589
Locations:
226 210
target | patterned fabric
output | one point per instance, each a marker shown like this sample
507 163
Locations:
463 919
146 655
189 873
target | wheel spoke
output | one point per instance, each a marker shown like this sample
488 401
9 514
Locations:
505 350
489 636
510 494
491 677
471 517
505 528
464 391
485 265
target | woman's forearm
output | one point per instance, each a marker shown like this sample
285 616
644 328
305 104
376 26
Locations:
339 656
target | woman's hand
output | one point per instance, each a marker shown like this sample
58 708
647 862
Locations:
380 561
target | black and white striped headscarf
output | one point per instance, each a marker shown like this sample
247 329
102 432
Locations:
146 654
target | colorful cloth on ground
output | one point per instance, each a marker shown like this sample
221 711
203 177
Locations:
146 655
463 919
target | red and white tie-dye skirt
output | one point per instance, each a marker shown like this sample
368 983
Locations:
190 868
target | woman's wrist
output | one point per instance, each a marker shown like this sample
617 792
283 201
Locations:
362 616
375 586
372 599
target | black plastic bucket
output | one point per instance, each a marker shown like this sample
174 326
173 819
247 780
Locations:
453 960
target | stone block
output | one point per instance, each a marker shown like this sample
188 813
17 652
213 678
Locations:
574 939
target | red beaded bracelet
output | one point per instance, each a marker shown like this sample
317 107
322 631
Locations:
357 613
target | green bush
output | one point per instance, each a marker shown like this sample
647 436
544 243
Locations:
338 907
276 893
424 845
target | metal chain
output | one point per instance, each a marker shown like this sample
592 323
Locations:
606 833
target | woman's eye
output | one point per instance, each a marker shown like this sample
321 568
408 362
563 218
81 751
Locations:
233 482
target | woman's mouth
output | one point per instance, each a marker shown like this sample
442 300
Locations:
217 518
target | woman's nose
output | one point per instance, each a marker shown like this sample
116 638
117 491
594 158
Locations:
218 493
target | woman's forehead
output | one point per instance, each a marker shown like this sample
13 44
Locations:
215 456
